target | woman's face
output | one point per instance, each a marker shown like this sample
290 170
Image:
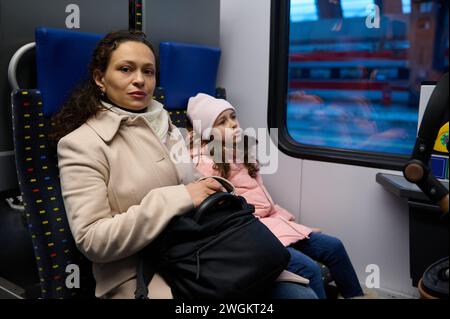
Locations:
130 78
227 126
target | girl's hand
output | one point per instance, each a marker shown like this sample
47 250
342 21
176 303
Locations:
316 230
200 190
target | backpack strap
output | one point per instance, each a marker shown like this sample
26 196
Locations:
212 201
144 274
229 187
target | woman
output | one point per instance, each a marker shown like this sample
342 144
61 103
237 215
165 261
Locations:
120 187
120 183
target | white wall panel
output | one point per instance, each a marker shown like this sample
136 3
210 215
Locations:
345 201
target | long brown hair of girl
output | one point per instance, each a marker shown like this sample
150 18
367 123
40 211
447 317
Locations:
222 165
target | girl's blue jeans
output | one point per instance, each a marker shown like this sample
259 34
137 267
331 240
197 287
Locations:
331 252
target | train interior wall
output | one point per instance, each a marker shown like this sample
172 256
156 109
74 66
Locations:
345 201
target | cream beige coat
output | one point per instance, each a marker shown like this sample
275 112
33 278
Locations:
120 189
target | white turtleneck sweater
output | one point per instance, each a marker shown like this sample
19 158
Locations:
158 119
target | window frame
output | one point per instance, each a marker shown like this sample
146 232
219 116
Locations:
277 110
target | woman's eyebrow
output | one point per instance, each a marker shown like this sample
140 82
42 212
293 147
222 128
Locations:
134 63
126 61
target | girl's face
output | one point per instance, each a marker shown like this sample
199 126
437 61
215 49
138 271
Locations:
227 126
130 78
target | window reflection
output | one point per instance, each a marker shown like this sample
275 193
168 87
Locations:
303 10
356 86
355 8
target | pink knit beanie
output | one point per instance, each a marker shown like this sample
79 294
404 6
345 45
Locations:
203 110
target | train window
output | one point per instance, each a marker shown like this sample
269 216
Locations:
345 76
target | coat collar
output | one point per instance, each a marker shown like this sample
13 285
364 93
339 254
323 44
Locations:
106 123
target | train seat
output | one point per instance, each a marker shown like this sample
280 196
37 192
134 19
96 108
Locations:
185 70
61 60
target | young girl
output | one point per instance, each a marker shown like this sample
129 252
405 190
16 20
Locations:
216 117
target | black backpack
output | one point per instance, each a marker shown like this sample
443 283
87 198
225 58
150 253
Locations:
219 250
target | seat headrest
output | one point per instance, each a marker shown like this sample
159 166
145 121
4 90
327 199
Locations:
185 70
62 59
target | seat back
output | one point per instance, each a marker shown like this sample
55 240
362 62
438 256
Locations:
62 57
62 60
37 170
185 70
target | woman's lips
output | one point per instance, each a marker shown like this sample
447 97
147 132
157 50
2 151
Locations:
138 95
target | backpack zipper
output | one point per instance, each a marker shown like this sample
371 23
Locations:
197 276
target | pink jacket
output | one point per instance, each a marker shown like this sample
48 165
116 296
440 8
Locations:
276 218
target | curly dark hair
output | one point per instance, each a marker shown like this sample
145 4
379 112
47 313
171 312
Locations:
84 101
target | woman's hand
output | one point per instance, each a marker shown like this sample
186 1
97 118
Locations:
200 190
